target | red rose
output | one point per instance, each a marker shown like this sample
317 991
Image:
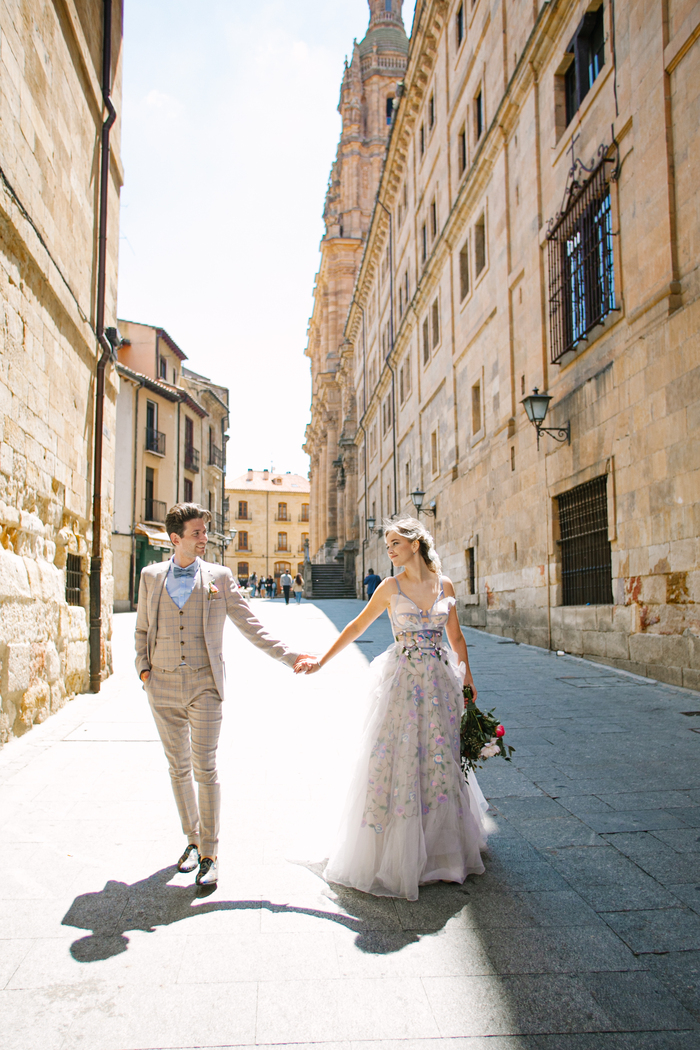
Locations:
500 731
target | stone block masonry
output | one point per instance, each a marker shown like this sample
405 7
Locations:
51 114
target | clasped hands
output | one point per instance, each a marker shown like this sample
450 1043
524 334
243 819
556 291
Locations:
306 664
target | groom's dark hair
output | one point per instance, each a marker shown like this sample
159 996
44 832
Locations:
178 516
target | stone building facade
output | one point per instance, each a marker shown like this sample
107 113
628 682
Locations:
367 107
540 211
51 117
270 512
171 428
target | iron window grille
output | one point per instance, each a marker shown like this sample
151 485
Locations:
581 258
586 564
74 579
192 459
154 509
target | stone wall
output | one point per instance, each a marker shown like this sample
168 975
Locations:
50 120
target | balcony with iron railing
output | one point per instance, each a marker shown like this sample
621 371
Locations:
283 517
154 509
216 457
244 517
304 516
192 459
217 523
283 550
155 441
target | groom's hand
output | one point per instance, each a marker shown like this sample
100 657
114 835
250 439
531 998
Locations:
306 664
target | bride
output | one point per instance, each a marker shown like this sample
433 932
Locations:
411 817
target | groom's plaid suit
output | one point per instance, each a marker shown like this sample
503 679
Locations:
182 650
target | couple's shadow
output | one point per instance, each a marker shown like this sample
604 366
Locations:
381 925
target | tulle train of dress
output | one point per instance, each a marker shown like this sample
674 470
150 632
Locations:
411 817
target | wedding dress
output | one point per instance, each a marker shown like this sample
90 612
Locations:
411 817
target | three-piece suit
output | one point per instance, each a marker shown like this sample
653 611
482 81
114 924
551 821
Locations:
179 641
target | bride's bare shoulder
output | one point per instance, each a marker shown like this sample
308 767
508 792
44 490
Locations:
447 586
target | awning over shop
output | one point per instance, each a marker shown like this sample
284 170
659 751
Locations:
157 538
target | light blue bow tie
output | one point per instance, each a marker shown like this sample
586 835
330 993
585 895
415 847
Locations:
189 571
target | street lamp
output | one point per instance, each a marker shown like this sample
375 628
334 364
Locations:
371 522
536 405
417 498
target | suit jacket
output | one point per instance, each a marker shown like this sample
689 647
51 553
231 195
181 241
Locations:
222 598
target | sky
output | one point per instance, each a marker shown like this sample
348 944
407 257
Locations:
229 130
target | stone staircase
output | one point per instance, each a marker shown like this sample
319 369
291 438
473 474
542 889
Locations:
327 582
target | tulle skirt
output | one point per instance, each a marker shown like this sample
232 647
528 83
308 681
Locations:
410 817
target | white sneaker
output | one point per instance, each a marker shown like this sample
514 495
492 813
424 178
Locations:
189 859
208 874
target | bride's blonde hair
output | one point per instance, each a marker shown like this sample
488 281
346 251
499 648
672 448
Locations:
412 529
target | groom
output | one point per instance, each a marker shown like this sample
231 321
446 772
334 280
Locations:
183 605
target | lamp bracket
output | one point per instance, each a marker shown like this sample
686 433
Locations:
558 433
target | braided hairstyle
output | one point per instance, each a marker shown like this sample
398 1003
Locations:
412 529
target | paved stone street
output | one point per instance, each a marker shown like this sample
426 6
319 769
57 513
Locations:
584 932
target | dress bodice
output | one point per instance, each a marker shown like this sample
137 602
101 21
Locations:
415 627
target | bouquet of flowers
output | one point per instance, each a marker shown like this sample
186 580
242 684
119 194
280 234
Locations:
480 735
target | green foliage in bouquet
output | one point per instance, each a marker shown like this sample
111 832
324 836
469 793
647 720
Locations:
480 735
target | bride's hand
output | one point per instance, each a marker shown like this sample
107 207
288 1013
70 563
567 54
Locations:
470 682
306 664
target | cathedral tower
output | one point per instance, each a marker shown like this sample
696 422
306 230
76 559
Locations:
366 107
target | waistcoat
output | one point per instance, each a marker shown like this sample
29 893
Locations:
180 634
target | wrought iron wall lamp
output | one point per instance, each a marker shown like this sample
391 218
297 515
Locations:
418 498
536 406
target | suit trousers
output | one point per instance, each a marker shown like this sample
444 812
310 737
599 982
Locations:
186 708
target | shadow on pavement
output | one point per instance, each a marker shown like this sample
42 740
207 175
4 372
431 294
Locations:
119 908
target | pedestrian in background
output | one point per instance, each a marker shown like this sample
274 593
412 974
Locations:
271 586
372 581
252 583
286 581
298 588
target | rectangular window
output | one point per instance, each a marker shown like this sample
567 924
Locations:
243 541
464 271
408 478
74 578
243 573
462 151
282 541
581 264
388 500
402 393
422 139
479 115
459 25
405 378
305 512
436 323
471 570
282 512
476 408
587 49
426 341
434 459
188 491
163 368
431 112
433 221
243 510
586 564
480 244
424 242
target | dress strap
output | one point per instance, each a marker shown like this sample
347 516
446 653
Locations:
399 585
441 593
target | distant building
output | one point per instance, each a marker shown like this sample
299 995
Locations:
52 112
270 512
171 432
536 226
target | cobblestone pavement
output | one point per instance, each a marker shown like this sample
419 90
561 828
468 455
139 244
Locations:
584 933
